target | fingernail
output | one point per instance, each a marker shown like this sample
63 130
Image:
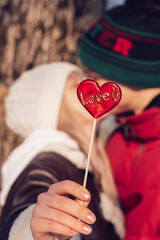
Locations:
85 195
87 229
91 218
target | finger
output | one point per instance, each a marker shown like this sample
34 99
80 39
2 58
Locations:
62 217
72 188
43 226
66 205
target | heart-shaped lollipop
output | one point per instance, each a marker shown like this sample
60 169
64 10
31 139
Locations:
98 100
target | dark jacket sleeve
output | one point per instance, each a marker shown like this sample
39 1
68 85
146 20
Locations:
44 170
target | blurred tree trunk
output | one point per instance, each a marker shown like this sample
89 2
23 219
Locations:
34 32
39 31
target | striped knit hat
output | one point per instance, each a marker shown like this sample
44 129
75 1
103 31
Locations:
124 44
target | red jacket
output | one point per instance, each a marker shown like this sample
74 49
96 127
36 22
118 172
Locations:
134 152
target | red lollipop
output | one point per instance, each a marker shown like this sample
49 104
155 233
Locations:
98 100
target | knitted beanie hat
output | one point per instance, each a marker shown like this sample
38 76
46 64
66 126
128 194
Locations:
34 99
124 44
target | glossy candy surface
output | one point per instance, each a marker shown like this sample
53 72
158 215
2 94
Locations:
98 100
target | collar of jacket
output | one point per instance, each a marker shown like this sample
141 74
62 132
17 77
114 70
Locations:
144 126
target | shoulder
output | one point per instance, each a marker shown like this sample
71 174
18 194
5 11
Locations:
45 169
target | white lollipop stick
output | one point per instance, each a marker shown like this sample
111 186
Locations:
89 154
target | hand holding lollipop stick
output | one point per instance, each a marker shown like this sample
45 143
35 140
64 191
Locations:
97 100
